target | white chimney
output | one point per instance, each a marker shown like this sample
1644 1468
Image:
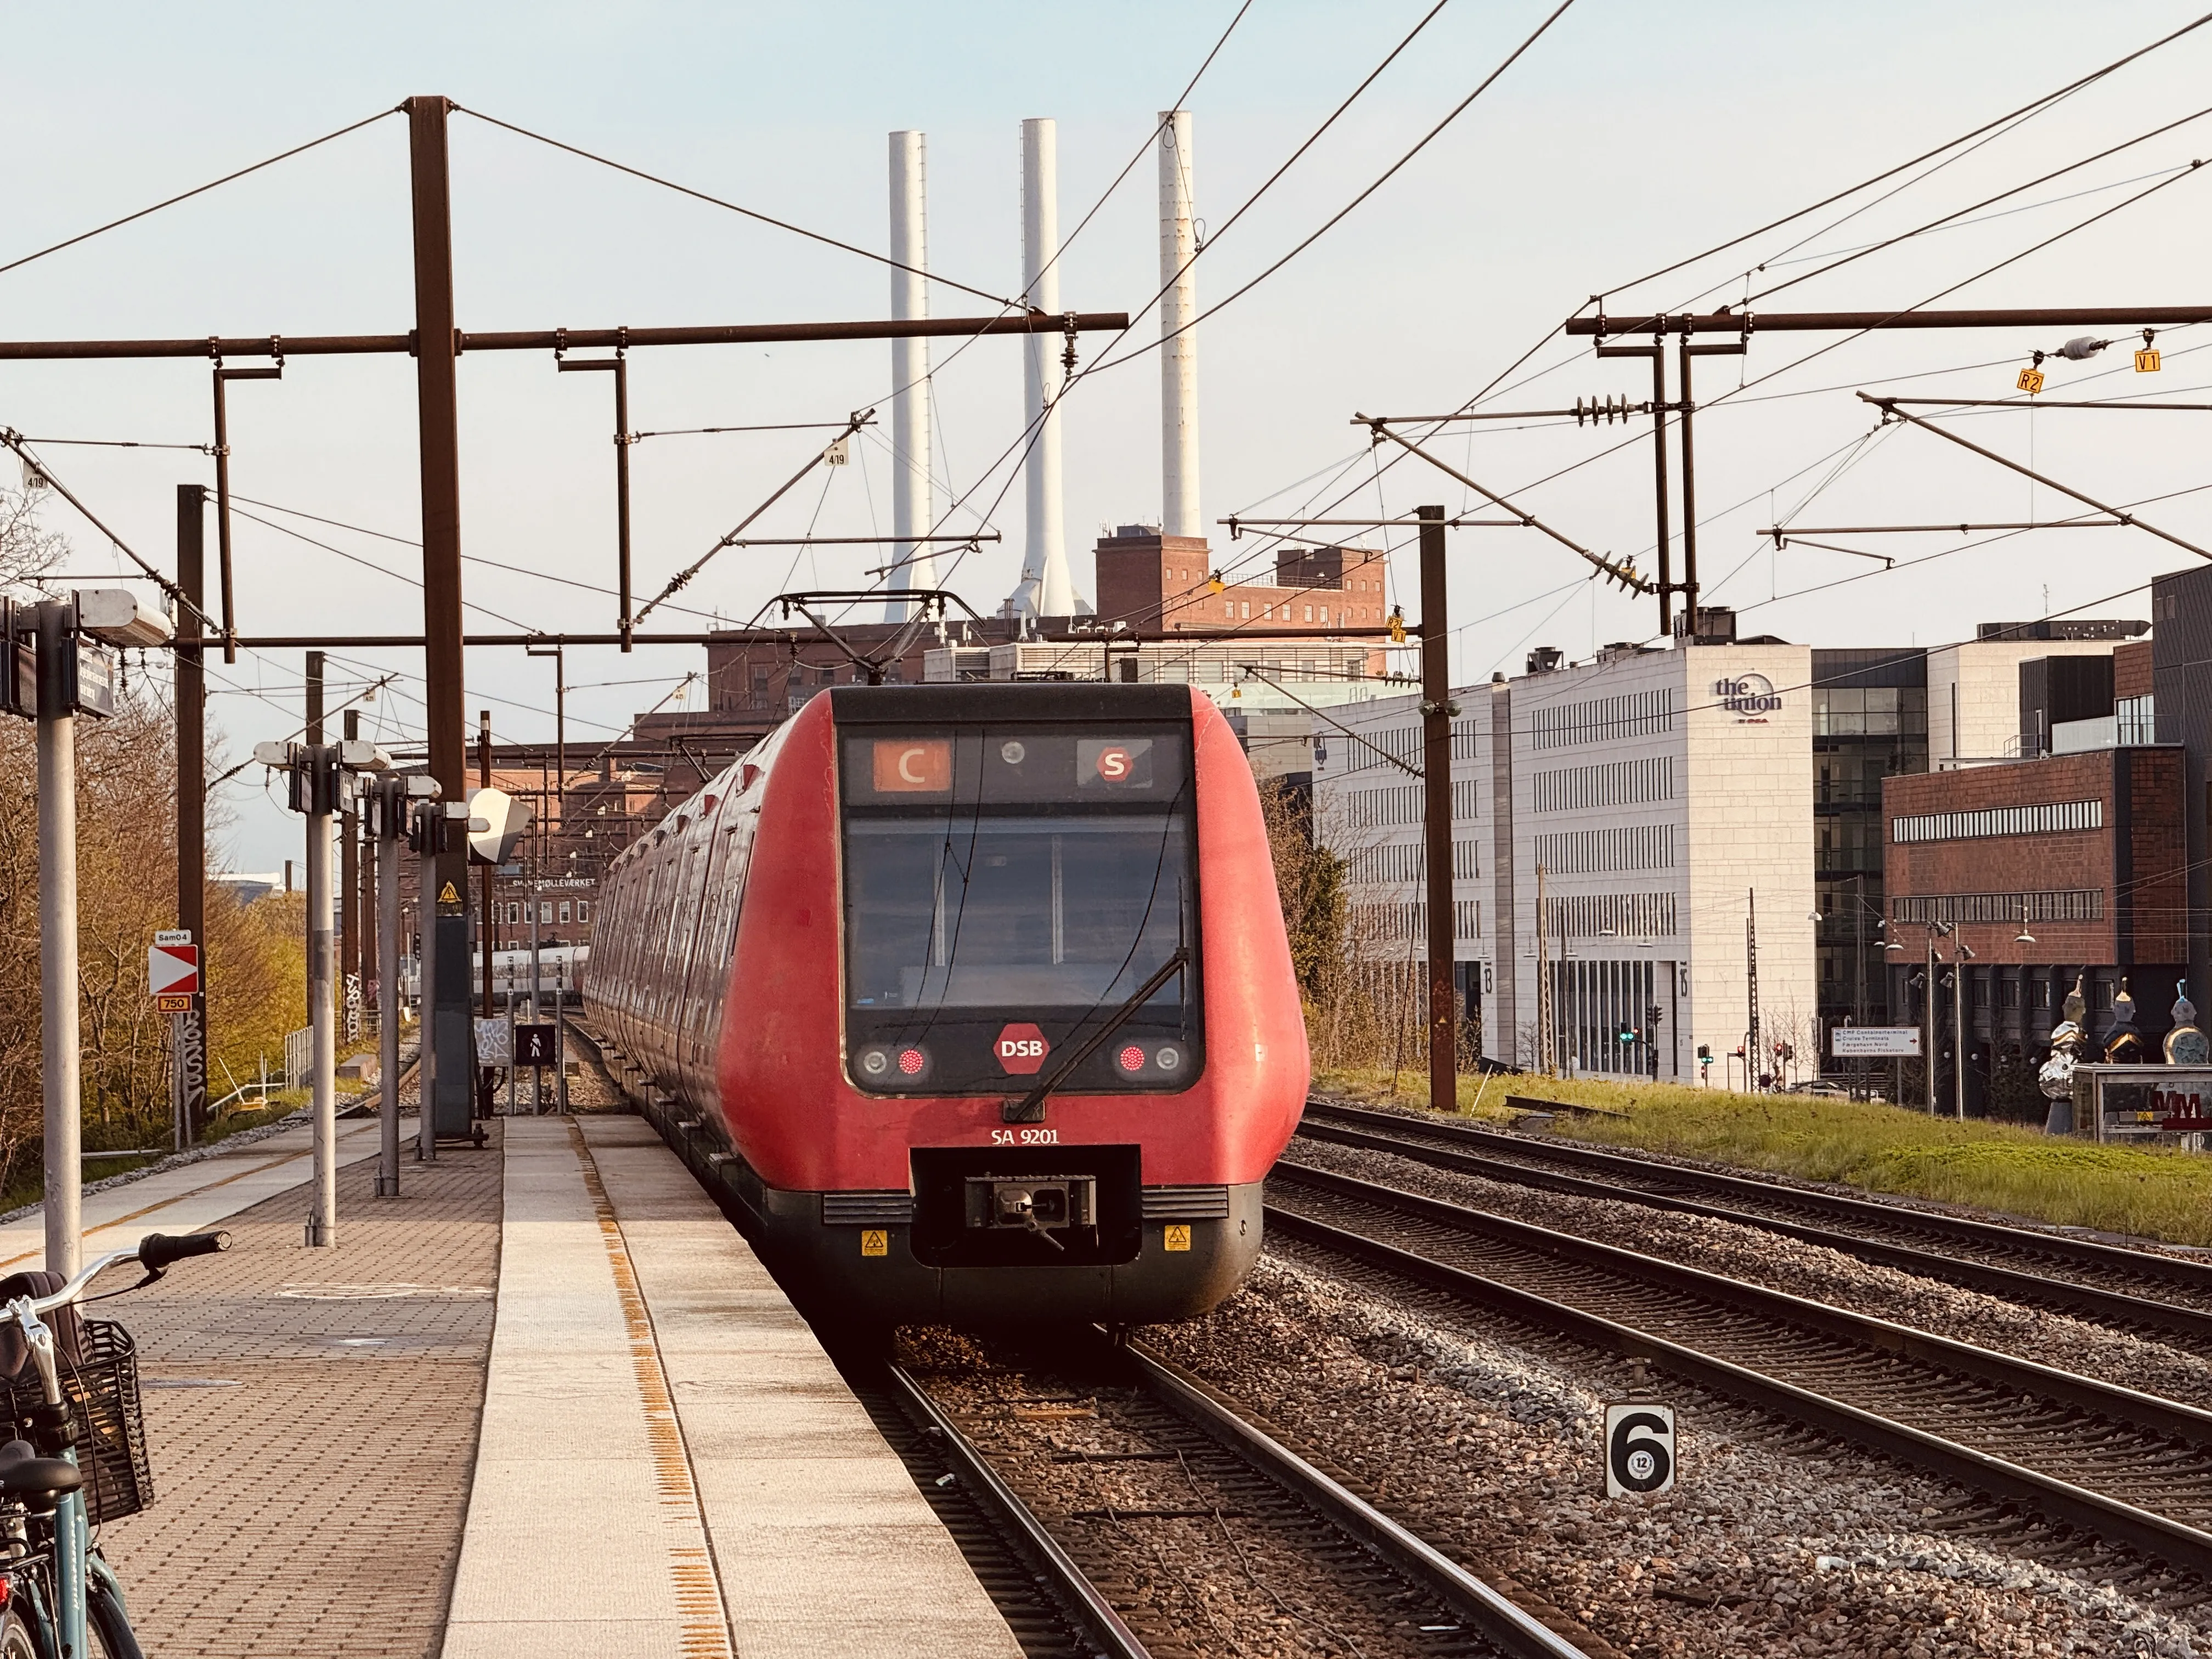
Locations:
1045 588
1179 514
913 507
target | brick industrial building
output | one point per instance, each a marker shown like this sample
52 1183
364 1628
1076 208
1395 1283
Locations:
2045 870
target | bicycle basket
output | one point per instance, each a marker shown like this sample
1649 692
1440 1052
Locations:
102 1390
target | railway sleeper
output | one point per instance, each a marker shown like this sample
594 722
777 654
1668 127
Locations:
2091 1514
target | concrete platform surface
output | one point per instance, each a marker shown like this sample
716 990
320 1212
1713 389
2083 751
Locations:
197 1194
669 1463
311 1413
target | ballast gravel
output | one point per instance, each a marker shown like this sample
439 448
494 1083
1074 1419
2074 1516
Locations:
1492 1451
1757 1256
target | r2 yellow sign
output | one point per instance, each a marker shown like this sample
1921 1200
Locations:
1176 1236
875 1241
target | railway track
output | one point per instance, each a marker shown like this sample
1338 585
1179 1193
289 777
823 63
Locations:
2106 1462
1122 1497
2165 1297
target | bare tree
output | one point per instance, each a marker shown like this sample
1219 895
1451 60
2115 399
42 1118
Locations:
27 548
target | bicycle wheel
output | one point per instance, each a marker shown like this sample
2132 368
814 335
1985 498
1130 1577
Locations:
16 1639
112 1635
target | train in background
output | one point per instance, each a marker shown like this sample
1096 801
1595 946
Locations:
560 974
970 1002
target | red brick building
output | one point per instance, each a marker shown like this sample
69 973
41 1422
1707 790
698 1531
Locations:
1162 584
2073 865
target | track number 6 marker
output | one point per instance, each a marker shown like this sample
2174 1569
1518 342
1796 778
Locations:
1639 1450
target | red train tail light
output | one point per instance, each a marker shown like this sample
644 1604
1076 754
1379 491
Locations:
911 1061
1132 1058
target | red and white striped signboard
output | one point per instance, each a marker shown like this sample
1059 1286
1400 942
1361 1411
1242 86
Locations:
173 970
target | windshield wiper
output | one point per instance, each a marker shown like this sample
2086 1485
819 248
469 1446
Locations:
1030 1109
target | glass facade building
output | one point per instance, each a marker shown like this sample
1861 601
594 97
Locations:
1869 720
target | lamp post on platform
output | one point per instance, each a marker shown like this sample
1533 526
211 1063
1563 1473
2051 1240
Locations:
322 782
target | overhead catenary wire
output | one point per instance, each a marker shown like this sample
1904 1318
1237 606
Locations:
751 213
466 558
1876 247
1028 437
121 443
2032 105
1342 213
1889 173
15 441
1885 174
198 190
371 564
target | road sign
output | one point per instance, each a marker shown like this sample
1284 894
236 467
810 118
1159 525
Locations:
533 1045
169 1003
1639 1449
173 970
1875 1042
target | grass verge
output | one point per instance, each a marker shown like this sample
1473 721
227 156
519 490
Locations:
2150 1193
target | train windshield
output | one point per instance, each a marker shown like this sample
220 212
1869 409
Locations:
1009 892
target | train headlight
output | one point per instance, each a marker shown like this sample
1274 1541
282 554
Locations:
891 1065
1169 1058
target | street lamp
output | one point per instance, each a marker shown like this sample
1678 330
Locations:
1958 1028
1927 1008
55 665
323 783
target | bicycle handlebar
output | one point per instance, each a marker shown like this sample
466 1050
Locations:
154 1252
158 1250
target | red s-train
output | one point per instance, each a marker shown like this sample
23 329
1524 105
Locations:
971 1001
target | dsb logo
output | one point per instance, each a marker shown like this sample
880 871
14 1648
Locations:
1020 1051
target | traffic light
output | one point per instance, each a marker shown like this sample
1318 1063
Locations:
1651 1015
1627 1034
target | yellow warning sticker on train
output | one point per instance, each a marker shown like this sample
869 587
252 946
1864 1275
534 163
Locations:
875 1241
1177 1236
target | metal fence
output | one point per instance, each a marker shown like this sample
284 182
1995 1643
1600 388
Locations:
299 1056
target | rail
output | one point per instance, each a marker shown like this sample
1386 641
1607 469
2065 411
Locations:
1095 1613
2110 1461
1298 1490
1534 1163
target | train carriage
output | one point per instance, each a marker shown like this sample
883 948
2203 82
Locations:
972 1001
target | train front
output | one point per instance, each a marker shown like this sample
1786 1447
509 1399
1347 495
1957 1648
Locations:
1013 1032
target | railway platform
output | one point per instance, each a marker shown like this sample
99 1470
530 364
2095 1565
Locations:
545 1401
669 1463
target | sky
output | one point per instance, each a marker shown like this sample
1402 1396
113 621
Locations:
1624 140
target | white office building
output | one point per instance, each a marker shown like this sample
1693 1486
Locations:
1656 797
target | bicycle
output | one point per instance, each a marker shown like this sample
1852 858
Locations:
79 1409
